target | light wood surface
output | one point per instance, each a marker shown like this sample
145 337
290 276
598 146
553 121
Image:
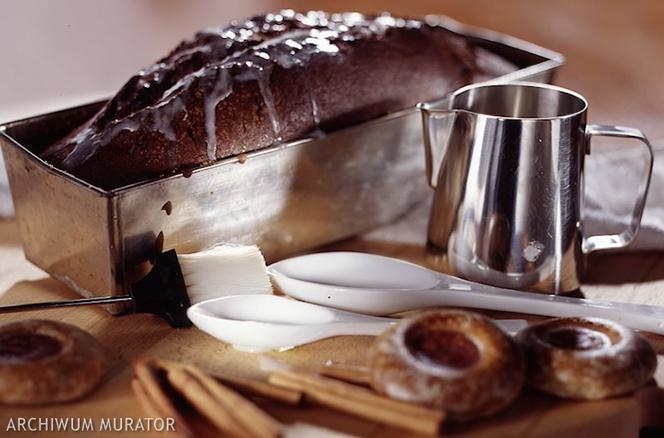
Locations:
612 49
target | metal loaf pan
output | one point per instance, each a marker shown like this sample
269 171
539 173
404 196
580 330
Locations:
285 198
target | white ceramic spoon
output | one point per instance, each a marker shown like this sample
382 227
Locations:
259 323
377 285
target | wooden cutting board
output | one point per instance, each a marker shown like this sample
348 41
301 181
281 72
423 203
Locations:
130 337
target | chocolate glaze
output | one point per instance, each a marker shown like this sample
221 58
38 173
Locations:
167 208
271 78
448 348
159 243
576 338
27 347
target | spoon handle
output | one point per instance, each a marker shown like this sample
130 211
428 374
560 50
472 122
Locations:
467 294
510 326
357 328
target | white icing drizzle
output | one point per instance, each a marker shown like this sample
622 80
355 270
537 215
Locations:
88 141
155 68
164 118
262 77
288 50
315 115
314 109
266 92
222 88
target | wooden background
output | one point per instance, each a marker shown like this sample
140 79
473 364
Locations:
614 57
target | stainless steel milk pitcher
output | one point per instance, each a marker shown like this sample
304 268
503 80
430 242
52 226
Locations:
507 206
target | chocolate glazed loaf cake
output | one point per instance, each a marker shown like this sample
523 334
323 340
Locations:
272 78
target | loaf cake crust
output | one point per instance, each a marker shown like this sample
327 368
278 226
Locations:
272 78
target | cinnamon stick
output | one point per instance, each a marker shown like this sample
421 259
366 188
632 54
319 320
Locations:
211 397
246 412
144 400
261 389
361 402
356 374
151 396
205 403
254 388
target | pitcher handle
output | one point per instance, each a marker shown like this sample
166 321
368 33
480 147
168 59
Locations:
614 241
429 113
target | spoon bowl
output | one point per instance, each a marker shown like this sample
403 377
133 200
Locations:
377 285
357 282
258 323
350 270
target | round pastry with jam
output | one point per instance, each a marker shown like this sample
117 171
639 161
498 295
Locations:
586 358
454 360
47 362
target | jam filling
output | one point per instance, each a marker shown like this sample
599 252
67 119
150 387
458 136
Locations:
576 338
28 346
445 347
